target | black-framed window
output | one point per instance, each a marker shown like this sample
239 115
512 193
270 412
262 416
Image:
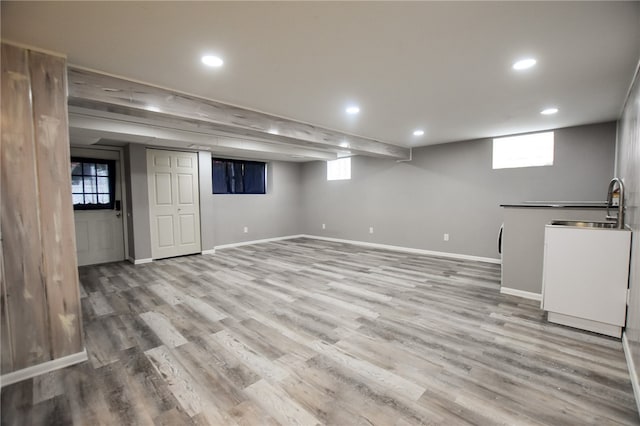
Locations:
93 183
238 176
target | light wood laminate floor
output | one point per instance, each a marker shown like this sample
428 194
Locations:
312 332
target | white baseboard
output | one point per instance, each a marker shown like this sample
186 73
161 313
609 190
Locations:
521 293
139 261
632 369
408 249
247 243
210 251
45 367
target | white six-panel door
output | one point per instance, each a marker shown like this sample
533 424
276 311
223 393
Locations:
174 206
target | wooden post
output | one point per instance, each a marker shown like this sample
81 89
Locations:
40 310
49 88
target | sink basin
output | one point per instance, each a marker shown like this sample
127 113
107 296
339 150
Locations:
583 224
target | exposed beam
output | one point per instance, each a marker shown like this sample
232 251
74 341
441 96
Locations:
102 92
110 128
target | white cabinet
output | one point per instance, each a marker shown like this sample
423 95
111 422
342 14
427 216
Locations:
585 277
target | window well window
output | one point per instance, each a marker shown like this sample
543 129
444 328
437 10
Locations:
238 176
92 183
339 169
523 151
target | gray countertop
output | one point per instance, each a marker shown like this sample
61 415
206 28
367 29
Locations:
559 204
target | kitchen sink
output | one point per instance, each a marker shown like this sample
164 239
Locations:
584 224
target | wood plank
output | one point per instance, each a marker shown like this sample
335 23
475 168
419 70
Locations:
371 372
163 328
124 395
248 413
251 359
60 273
279 404
22 243
47 386
193 397
100 304
6 341
180 382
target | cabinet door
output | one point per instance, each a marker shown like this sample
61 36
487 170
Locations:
586 272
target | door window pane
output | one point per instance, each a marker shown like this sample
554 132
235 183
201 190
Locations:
102 169
92 183
103 184
89 169
90 198
76 168
76 183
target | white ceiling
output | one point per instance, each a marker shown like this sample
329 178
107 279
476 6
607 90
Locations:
441 66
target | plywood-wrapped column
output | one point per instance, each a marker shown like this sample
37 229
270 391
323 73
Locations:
40 293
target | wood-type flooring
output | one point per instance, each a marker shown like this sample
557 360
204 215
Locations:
305 332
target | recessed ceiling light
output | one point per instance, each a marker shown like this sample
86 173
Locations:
549 111
524 64
152 108
274 131
212 61
418 132
344 144
353 109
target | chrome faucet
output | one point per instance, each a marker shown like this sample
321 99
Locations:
619 218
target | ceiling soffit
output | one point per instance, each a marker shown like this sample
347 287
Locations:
138 102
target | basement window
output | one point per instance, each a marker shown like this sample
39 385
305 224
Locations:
339 169
531 150
238 176
93 183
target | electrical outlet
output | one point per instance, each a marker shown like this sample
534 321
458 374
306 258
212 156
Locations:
446 237
246 229
324 226
371 229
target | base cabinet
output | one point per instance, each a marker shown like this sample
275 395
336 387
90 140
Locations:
585 277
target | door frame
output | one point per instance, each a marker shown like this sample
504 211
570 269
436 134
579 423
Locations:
123 186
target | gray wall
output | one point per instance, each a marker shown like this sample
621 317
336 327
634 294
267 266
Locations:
628 166
451 188
447 188
207 208
222 217
126 163
138 225
274 214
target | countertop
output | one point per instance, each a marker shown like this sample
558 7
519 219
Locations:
559 205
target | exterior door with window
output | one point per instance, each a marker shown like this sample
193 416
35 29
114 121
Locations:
174 203
95 184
